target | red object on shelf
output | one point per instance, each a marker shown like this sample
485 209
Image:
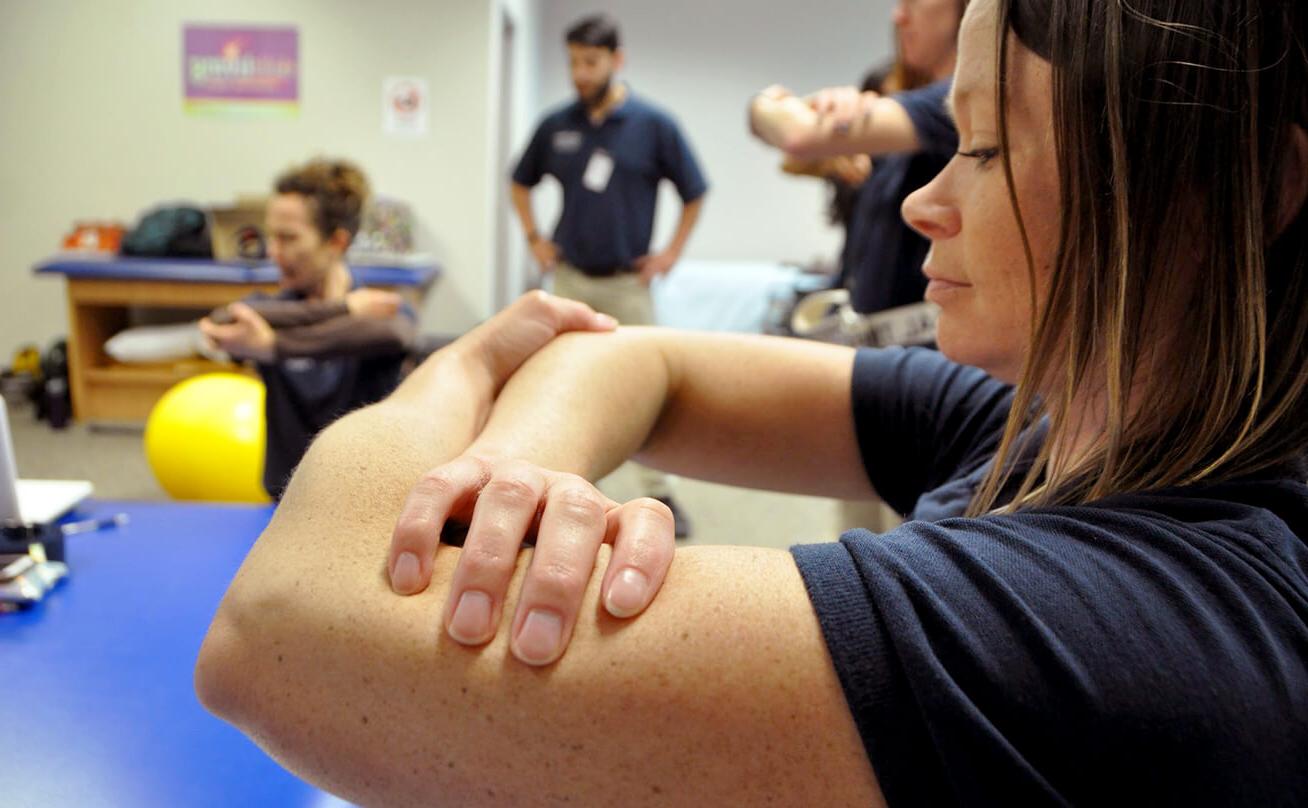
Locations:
103 237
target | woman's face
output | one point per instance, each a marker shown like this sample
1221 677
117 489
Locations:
928 34
977 269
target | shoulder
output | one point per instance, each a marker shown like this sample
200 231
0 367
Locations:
648 112
558 117
932 95
928 379
1107 606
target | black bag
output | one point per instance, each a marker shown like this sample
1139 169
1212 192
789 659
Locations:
170 232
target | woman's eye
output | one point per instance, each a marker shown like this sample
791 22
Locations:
983 156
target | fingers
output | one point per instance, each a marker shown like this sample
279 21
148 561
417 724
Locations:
644 541
242 313
440 493
561 314
572 528
505 514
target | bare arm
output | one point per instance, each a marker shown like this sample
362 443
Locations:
686 225
545 251
762 412
521 196
661 263
791 124
721 693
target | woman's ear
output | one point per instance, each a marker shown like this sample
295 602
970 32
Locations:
1294 182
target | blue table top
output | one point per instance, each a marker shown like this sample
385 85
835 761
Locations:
194 270
98 702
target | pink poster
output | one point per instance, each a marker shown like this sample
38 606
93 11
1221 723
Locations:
241 71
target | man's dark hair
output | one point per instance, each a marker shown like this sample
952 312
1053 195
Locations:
597 31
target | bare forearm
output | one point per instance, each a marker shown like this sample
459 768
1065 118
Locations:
582 405
521 196
754 411
689 218
792 126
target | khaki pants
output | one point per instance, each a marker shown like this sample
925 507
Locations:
622 296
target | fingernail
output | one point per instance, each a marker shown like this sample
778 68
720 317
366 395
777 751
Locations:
607 320
404 575
472 617
538 641
627 593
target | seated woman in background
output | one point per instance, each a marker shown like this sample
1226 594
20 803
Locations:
323 346
901 124
1102 595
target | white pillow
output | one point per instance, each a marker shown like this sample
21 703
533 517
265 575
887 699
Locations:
159 343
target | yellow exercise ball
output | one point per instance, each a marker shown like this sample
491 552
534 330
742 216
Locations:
205 439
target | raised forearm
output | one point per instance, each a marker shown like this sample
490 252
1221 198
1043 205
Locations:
584 404
784 122
753 411
296 313
346 336
790 124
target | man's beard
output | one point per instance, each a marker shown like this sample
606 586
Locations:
597 98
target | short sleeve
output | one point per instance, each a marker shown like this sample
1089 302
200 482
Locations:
922 420
531 166
1080 655
936 132
677 162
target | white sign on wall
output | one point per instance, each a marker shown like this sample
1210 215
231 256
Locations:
405 106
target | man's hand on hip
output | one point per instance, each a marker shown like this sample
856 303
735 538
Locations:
546 253
656 264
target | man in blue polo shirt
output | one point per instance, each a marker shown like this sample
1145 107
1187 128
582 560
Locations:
609 150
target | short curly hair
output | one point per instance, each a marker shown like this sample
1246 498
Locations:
337 189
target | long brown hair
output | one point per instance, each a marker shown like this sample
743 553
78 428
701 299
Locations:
1173 127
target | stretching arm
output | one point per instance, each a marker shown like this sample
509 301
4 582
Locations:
360 691
791 124
346 336
761 412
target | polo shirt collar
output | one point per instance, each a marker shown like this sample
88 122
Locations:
578 109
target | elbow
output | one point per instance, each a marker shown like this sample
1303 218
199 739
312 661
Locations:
232 671
799 145
219 674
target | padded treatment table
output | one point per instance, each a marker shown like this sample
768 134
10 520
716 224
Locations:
738 296
103 293
98 702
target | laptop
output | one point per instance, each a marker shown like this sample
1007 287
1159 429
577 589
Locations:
32 502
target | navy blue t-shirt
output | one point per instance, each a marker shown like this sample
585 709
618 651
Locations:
605 226
1146 648
882 257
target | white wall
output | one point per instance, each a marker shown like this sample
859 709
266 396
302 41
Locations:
511 260
702 61
92 126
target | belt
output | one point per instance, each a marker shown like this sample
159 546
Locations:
604 272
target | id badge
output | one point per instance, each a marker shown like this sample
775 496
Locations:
598 172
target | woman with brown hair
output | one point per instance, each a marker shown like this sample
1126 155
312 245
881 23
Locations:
1102 595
